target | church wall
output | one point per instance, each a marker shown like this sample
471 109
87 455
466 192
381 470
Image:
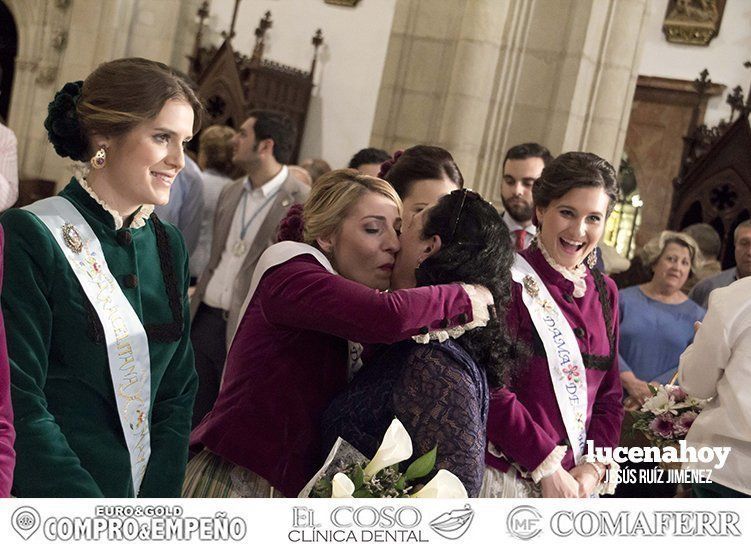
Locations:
349 69
723 57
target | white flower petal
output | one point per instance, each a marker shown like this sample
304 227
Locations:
444 485
395 448
341 486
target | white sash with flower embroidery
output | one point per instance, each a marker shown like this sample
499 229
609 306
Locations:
127 344
564 357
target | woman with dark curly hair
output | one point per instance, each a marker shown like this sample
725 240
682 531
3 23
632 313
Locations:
439 390
95 296
567 392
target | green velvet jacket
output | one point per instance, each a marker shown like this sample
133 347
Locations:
69 439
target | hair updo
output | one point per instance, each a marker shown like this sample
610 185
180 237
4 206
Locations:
417 163
575 170
334 195
117 96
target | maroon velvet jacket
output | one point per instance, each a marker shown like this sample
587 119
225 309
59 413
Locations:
524 420
289 359
7 433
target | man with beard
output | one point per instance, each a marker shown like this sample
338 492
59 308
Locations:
522 165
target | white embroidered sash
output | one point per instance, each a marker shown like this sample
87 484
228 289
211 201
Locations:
127 344
282 252
564 357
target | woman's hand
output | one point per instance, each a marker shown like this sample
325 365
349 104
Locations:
587 477
484 295
636 388
560 484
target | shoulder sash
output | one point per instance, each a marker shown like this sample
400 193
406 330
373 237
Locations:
127 343
565 362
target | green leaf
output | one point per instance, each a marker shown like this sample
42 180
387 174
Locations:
322 488
400 483
363 494
652 389
357 476
421 466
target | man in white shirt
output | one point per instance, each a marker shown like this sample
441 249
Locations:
522 165
247 215
718 365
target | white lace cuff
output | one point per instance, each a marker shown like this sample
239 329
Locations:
480 318
610 481
551 463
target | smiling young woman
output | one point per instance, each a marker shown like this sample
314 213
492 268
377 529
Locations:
568 391
100 355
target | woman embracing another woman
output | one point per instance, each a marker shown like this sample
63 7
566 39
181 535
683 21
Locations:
568 392
289 356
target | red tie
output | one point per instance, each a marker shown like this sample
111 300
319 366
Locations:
521 236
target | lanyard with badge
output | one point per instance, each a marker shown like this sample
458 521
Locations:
240 247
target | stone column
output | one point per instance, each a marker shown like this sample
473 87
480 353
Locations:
495 74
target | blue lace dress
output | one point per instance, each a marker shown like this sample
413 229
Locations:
438 393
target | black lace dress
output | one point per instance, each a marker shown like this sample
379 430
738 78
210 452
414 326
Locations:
438 393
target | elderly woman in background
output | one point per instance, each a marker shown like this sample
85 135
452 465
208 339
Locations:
215 161
657 318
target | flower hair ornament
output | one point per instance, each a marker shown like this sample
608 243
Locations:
291 227
62 123
386 165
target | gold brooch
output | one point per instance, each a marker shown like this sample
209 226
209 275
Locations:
72 238
531 286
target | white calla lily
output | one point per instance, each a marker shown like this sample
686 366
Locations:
341 486
395 448
444 485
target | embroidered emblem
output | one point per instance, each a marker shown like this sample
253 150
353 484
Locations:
531 286
72 238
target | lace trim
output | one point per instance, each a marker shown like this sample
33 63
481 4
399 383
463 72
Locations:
577 276
551 463
139 219
610 481
480 318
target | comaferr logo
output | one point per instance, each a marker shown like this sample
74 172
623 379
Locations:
697 523
524 522
453 524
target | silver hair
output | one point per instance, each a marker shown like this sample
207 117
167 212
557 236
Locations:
654 249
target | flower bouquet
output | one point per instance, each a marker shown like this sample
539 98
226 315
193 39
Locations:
666 417
347 473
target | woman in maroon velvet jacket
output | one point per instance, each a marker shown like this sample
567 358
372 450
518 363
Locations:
289 356
563 395
7 433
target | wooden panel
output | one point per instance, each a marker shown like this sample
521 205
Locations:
660 117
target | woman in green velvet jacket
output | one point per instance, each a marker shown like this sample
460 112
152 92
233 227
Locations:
95 296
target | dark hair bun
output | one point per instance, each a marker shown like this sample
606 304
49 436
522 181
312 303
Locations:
386 165
291 227
62 124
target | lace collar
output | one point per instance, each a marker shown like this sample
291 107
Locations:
577 276
139 219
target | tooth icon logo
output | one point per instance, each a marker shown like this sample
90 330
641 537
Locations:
453 524
25 521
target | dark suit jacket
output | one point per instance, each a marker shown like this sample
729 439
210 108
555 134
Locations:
292 191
